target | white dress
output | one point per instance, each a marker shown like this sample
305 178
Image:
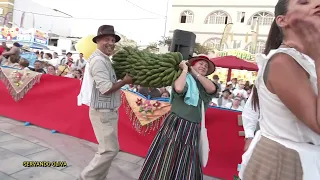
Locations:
279 124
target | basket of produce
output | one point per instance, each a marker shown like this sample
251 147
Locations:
147 69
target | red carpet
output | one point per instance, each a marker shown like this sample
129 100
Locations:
52 104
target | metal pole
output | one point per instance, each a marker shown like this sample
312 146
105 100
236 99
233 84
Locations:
165 21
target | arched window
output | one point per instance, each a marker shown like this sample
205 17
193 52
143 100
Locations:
186 17
218 17
259 47
264 19
214 43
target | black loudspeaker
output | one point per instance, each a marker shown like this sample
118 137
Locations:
183 42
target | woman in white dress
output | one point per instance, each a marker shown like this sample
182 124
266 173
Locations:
288 144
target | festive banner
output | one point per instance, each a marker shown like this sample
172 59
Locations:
19 82
24 35
9 34
238 53
225 35
146 115
40 37
255 34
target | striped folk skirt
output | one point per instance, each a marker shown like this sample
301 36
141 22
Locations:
174 152
273 161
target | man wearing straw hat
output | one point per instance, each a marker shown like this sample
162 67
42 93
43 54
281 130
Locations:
104 103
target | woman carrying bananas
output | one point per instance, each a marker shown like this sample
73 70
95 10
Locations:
174 153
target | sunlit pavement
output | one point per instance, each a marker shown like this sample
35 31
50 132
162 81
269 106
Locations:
19 143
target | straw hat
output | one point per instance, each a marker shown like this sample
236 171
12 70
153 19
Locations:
211 65
62 70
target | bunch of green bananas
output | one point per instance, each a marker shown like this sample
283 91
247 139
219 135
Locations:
147 69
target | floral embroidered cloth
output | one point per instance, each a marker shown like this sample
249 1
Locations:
18 82
145 114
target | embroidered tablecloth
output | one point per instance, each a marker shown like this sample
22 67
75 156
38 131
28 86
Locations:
19 82
145 114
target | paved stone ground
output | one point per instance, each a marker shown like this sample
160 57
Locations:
19 143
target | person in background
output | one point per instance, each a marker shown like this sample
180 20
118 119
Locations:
38 67
41 54
247 84
130 87
229 86
48 56
81 62
235 104
224 98
152 92
24 64
215 79
134 88
71 64
51 70
11 58
240 91
12 62
38 55
165 94
234 82
77 74
15 50
46 60
55 59
66 59
3 48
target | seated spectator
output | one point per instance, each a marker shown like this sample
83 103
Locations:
12 61
3 47
51 70
215 79
235 104
38 67
165 94
240 90
77 74
229 86
133 88
24 64
15 50
224 99
234 82
152 92
48 56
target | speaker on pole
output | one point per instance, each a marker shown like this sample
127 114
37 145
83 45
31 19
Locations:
183 42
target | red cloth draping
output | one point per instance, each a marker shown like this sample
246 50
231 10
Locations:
52 104
232 62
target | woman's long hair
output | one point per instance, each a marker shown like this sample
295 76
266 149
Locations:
274 40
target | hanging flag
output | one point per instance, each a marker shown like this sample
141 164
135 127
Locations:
225 35
231 36
255 34
22 19
246 39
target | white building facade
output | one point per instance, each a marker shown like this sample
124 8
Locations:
208 19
